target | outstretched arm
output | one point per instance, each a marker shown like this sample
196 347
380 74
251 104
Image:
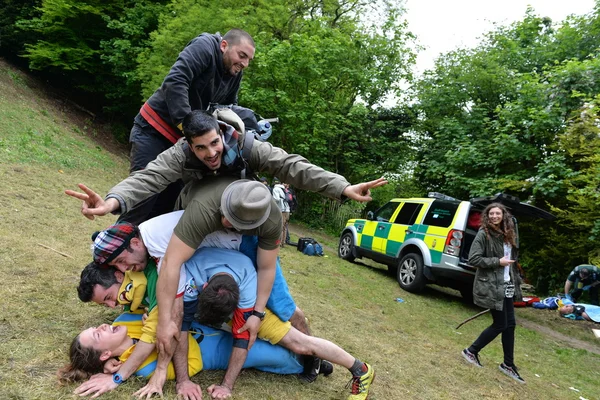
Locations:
93 204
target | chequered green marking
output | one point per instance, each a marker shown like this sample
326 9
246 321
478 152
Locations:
383 233
436 256
366 242
389 246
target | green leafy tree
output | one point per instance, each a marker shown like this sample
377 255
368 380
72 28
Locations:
91 45
508 115
13 39
318 67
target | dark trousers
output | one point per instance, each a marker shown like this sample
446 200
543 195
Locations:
504 323
146 144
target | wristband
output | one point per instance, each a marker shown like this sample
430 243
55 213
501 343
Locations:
118 378
260 315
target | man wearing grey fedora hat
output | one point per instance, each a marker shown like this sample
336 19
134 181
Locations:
215 204
246 207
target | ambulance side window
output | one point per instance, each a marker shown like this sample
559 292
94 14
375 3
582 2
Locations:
408 214
441 213
385 213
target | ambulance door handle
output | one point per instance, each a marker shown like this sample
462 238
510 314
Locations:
408 231
381 227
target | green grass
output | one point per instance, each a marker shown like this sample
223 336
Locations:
46 148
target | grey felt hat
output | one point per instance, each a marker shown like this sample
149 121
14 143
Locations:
246 204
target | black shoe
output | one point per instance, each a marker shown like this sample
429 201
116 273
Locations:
472 358
512 372
326 368
312 366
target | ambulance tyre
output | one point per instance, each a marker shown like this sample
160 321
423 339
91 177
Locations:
346 247
410 273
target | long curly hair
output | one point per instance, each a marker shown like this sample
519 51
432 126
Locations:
506 227
85 361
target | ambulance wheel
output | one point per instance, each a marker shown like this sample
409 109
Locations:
346 247
410 273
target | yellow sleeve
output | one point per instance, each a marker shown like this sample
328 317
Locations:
149 365
149 328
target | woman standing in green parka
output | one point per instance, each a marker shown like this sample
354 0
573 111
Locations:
493 253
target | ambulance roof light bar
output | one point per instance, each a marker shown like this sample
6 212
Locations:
440 196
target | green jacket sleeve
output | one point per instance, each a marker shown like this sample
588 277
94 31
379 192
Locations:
477 254
296 170
166 169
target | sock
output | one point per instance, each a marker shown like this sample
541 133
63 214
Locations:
359 368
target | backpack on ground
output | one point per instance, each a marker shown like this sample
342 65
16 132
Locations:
310 247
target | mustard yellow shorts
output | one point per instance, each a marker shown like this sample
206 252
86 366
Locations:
272 329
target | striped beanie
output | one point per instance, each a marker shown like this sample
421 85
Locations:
111 242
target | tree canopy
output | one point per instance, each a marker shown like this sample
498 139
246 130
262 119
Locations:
517 113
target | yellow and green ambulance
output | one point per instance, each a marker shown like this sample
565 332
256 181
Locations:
426 240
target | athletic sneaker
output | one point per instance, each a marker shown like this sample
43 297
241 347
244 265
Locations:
512 372
472 358
361 384
326 368
312 367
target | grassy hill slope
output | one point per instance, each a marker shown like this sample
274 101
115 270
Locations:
46 147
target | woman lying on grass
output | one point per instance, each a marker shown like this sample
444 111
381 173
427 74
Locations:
209 349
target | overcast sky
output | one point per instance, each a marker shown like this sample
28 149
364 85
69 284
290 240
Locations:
443 25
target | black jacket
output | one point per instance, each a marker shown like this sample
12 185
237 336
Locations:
196 79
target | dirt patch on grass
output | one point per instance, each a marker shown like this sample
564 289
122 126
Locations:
560 337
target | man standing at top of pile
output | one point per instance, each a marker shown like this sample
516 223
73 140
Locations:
208 70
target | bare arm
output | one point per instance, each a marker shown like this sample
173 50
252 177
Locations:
236 362
186 389
158 379
266 261
166 289
180 358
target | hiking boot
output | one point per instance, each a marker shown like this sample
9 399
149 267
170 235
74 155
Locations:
312 366
361 384
512 372
472 358
326 368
